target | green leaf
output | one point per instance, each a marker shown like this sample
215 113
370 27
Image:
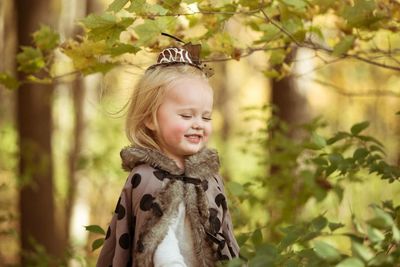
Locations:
271 73
117 5
375 235
95 229
235 188
360 154
257 237
151 29
338 136
335 226
106 26
319 223
396 234
236 262
298 4
242 238
361 14
277 57
318 140
270 31
381 220
120 48
351 262
361 251
140 7
359 127
46 38
9 81
326 251
171 4
97 243
343 46
30 60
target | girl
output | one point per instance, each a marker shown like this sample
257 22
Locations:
172 210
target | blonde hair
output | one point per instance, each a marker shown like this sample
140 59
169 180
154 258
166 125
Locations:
147 98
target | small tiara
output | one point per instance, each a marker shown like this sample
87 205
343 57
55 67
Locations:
189 54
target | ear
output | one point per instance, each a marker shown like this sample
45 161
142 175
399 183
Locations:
149 123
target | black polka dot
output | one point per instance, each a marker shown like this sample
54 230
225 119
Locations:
124 241
157 209
136 179
224 257
220 200
214 221
233 254
160 175
146 202
140 247
221 244
121 212
117 207
108 232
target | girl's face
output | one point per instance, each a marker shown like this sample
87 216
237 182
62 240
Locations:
184 118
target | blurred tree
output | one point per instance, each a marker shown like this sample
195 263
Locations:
37 210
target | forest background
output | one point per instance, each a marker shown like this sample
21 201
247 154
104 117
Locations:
306 123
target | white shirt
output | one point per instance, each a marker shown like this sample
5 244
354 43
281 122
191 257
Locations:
176 249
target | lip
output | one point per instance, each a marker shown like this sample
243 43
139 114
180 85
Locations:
194 138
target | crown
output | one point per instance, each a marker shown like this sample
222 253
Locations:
187 54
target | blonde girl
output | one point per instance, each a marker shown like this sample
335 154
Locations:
172 210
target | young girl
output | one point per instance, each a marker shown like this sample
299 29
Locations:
172 210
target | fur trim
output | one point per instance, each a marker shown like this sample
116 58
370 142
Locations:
203 164
156 228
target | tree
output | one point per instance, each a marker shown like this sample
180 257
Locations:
37 209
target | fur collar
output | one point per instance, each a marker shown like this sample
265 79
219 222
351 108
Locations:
201 165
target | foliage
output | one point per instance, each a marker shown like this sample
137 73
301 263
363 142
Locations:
311 167
306 244
277 27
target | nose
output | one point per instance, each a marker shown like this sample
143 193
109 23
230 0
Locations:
197 125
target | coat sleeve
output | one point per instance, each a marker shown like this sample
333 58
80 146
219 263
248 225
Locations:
131 214
117 248
227 226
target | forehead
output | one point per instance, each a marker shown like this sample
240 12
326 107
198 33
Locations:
190 91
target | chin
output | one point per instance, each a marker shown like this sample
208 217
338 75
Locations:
191 151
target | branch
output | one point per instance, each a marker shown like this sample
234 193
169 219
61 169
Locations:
311 45
281 28
367 93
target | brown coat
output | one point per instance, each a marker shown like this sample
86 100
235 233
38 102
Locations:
149 200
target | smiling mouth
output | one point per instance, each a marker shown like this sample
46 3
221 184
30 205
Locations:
193 138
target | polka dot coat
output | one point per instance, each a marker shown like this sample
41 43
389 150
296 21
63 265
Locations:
149 200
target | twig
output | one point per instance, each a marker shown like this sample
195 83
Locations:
368 93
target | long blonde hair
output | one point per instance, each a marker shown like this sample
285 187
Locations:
147 98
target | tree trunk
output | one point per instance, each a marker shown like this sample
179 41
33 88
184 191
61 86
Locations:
37 209
291 106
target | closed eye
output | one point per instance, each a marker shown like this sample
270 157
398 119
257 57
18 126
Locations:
206 118
186 116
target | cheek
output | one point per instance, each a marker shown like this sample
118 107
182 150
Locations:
208 130
176 130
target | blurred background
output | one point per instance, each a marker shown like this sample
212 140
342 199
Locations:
262 125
